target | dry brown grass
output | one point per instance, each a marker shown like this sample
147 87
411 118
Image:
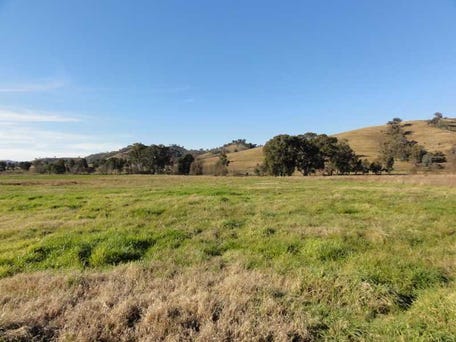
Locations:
445 180
137 303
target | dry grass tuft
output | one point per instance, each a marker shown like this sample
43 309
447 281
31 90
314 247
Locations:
135 303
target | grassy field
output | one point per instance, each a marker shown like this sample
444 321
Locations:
207 258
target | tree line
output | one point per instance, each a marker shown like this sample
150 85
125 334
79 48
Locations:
284 154
140 159
14 166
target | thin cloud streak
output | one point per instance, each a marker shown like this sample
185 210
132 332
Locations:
27 134
32 87
28 143
11 116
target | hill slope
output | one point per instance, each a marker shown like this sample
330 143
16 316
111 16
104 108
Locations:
364 141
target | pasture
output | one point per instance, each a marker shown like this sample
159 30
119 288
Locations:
229 258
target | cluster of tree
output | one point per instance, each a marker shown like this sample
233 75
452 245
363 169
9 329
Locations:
436 119
61 166
14 166
153 159
396 146
440 121
239 144
309 153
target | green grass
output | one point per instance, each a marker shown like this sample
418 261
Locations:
373 260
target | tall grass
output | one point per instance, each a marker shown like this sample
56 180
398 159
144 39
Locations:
184 258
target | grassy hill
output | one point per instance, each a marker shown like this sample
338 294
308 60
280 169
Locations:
241 162
365 142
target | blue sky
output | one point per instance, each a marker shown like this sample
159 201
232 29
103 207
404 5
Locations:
83 76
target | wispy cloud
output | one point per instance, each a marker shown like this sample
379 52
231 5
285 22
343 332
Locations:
156 90
27 143
26 135
30 87
169 90
12 116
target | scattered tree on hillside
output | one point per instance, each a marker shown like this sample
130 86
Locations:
242 142
395 143
433 158
436 119
443 122
396 146
417 153
221 166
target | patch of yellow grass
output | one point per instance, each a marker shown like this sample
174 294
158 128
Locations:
136 303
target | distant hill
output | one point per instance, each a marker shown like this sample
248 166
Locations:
244 156
122 153
234 146
364 141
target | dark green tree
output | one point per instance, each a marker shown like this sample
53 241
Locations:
157 159
344 159
376 167
184 163
308 155
389 163
25 166
137 158
58 167
280 155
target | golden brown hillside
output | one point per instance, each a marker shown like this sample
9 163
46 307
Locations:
241 163
364 141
